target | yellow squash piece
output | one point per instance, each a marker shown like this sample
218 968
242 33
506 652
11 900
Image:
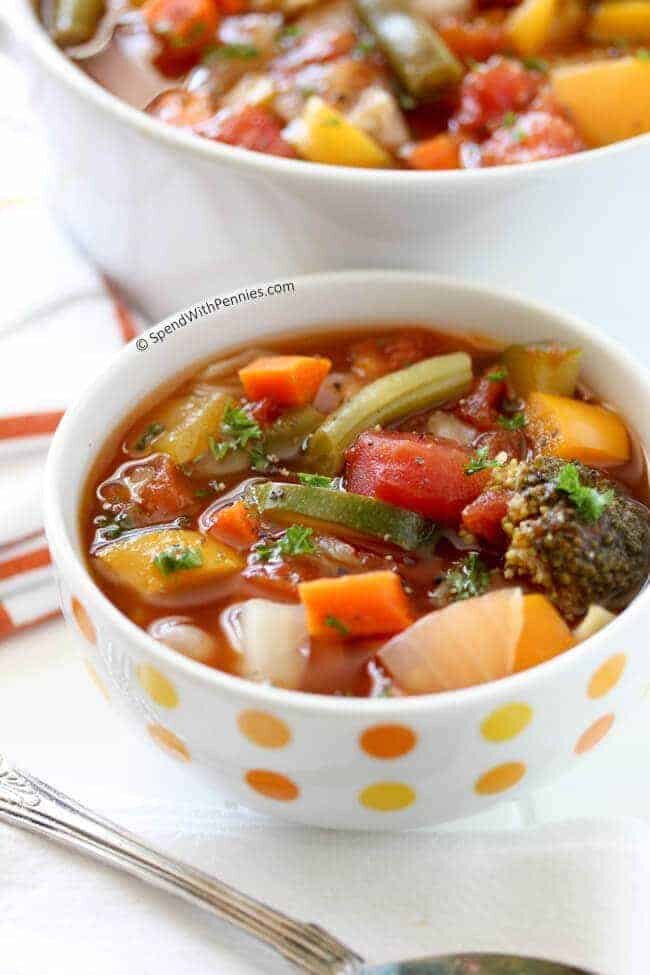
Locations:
568 23
529 25
145 562
626 20
323 135
187 422
609 100
574 430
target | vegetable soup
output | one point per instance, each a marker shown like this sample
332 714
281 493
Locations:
374 512
417 84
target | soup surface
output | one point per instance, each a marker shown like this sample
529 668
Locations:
385 512
420 84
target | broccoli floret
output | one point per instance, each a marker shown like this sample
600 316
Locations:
580 553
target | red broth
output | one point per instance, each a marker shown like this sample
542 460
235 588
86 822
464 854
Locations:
246 521
484 84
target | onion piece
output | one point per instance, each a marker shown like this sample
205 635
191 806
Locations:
467 643
179 633
272 639
446 425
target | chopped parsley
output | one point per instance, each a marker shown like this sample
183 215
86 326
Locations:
177 558
406 102
148 436
588 502
517 421
316 480
536 64
330 122
481 461
365 46
108 529
233 52
240 432
498 375
470 578
336 624
239 426
643 54
509 120
289 34
297 540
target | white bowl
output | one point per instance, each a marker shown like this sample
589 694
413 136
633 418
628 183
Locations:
315 763
173 218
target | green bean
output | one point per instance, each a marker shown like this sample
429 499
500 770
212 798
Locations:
422 386
417 53
75 21
286 435
344 513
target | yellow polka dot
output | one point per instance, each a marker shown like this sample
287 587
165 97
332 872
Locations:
500 778
387 740
169 741
264 729
158 687
607 676
507 722
273 785
387 796
594 734
83 620
95 678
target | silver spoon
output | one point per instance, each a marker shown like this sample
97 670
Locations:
35 806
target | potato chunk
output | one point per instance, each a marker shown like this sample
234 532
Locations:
159 563
182 426
609 100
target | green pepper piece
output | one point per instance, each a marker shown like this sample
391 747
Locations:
417 53
348 514
419 387
543 367
286 435
75 21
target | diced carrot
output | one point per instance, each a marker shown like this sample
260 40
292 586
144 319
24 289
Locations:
368 604
544 633
291 380
574 430
235 525
440 152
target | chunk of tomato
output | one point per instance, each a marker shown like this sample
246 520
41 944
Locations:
531 137
475 40
483 517
250 128
492 89
480 407
414 471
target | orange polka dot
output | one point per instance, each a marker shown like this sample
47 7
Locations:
264 729
387 796
594 734
159 688
169 741
83 621
500 778
607 676
387 740
273 785
95 678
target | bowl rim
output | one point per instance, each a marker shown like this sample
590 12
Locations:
27 26
74 570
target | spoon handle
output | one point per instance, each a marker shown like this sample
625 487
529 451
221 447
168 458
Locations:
35 806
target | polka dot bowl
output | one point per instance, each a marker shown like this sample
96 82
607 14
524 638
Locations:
343 762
